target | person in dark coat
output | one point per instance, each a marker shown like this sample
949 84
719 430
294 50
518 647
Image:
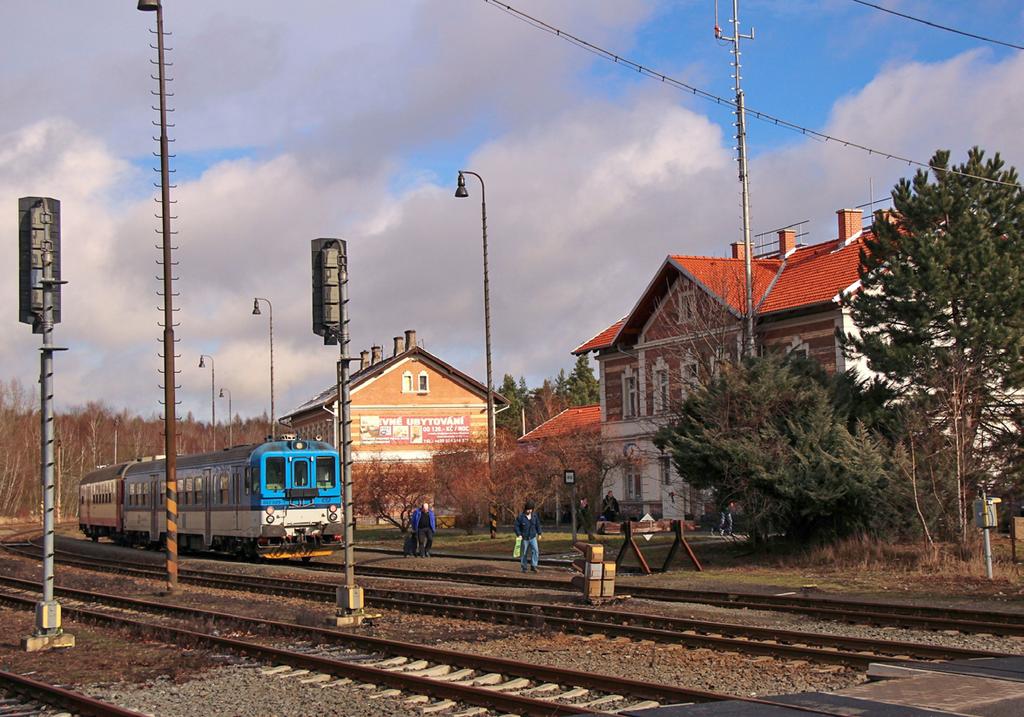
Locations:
423 527
610 508
527 527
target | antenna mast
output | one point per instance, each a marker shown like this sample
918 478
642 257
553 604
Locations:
741 147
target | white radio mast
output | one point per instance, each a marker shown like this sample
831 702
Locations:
741 148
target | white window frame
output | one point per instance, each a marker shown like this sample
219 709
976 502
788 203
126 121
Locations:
630 395
660 388
633 481
407 382
423 382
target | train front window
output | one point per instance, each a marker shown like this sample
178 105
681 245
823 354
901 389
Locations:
325 470
273 475
300 473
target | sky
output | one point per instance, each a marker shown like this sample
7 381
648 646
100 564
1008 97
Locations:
350 119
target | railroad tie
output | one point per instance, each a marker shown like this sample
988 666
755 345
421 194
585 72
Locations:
516 684
573 693
608 699
294 673
442 706
541 689
417 700
316 679
471 712
457 676
491 678
275 670
337 683
411 667
435 671
645 705
393 662
386 693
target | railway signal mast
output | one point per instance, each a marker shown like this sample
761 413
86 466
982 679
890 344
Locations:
39 305
741 148
330 320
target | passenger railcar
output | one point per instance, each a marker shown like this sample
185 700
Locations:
279 499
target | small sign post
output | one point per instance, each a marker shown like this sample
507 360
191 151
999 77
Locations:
570 480
986 517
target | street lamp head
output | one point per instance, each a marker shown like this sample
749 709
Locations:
222 393
202 363
461 191
255 307
149 5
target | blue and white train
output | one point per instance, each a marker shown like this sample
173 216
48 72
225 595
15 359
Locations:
280 499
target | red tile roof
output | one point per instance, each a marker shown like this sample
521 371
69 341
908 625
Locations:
571 420
602 340
815 275
810 275
724 277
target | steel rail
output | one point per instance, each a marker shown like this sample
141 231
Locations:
468 694
618 685
62 697
859 652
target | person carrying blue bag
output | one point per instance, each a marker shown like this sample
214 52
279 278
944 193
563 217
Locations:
527 527
423 527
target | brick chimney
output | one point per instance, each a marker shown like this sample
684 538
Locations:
849 223
738 250
410 339
364 360
376 354
399 345
787 242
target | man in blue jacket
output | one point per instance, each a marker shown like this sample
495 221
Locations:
527 527
423 526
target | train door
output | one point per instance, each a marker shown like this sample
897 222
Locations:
156 489
207 498
301 488
236 486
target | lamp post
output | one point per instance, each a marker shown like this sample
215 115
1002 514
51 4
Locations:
231 418
462 193
270 311
167 264
213 401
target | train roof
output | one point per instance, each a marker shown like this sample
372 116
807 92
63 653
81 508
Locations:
228 455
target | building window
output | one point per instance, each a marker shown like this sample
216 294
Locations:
630 398
688 375
424 382
661 395
634 485
684 306
407 382
665 467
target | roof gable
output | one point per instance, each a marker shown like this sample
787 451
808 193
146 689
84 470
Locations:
571 420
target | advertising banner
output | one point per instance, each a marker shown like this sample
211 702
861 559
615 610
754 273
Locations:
413 430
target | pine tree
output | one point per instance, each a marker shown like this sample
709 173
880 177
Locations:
583 386
511 418
940 309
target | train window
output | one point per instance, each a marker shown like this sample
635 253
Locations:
325 471
274 478
248 477
300 473
224 489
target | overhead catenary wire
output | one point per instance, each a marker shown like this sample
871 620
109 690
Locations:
717 99
937 26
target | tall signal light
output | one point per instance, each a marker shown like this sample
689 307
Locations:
38 260
327 259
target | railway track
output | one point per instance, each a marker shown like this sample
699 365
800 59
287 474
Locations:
31 697
834 649
840 610
433 679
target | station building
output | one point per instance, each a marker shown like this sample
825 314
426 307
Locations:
404 406
688 320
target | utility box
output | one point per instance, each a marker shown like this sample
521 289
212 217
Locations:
986 515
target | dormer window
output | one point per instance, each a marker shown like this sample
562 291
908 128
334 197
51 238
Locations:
407 382
423 385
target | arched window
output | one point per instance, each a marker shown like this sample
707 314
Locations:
424 382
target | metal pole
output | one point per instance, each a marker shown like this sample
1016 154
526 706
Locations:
741 146
988 552
213 402
573 511
273 416
170 406
350 597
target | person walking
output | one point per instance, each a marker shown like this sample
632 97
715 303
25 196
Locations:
527 527
423 527
725 519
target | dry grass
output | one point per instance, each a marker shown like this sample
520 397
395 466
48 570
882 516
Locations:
913 560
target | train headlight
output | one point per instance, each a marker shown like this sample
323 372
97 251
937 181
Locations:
270 518
270 510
